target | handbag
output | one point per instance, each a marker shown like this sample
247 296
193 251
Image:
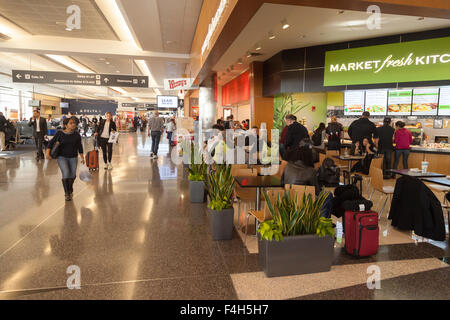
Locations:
54 153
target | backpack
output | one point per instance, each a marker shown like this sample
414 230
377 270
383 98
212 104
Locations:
317 138
329 174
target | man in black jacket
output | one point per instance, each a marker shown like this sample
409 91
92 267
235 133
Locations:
384 144
3 124
295 132
39 132
362 128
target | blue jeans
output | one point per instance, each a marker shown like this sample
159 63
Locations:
169 136
156 136
398 153
68 167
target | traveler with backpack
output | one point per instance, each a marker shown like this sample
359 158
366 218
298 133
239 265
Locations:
329 174
335 132
318 137
300 167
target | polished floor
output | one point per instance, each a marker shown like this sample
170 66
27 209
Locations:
134 235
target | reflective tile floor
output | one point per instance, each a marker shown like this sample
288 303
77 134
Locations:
134 235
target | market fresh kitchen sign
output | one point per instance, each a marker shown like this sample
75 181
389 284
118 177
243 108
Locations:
423 60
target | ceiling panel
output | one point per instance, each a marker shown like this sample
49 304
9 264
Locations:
48 17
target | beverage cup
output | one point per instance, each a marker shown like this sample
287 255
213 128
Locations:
424 166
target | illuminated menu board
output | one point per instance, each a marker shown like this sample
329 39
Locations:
353 103
399 102
376 102
425 102
444 102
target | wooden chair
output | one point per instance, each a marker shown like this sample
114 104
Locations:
299 190
376 183
262 215
375 163
243 194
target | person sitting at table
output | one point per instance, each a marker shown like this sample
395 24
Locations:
368 150
300 167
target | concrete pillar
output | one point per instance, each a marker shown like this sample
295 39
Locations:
207 105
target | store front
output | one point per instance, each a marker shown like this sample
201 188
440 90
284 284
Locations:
405 77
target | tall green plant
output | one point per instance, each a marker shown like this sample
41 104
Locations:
220 186
291 218
197 171
285 104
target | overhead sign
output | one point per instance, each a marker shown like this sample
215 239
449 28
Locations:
167 102
79 79
178 84
423 60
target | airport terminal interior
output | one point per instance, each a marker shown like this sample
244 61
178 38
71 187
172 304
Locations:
103 103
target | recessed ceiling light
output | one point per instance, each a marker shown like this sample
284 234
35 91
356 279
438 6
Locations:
117 71
302 36
107 62
68 29
271 35
258 47
249 54
285 24
240 61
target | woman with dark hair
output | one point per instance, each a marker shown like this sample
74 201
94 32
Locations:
300 167
103 133
367 149
402 139
318 136
69 147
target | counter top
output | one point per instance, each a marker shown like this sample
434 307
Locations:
422 149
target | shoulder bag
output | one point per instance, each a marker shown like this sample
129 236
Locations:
54 153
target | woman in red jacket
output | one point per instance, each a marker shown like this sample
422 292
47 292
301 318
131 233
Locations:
402 140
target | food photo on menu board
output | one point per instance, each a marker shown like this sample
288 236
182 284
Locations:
425 102
353 103
376 102
399 102
444 101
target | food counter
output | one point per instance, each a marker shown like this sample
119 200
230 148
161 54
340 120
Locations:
436 154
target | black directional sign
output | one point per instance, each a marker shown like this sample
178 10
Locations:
80 79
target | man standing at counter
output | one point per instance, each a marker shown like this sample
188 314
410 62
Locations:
362 128
384 143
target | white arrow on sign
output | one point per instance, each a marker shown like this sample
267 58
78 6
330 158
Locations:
18 76
106 80
143 81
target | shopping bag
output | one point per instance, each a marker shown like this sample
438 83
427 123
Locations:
85 175
113 137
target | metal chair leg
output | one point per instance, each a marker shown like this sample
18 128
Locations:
239 214
382 209
371 194
246 230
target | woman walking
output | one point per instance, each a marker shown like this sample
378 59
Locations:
102 134
69 147
171 127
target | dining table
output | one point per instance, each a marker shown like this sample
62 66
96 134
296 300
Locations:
258 182
417 174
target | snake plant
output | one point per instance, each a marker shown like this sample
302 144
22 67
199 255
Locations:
197 171
293 218
220 186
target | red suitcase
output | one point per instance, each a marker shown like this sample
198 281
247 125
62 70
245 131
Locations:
361 233
92 160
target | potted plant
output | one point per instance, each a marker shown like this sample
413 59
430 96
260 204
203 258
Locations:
197 174
303 239
220 186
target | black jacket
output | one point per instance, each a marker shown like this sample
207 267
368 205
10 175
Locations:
361 128
42 126
299 174
3 124
415 207
295 133
101 126
386 135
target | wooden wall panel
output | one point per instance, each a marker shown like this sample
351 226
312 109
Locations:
261 107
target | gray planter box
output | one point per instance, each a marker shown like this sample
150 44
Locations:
295 255
222 224
197 191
